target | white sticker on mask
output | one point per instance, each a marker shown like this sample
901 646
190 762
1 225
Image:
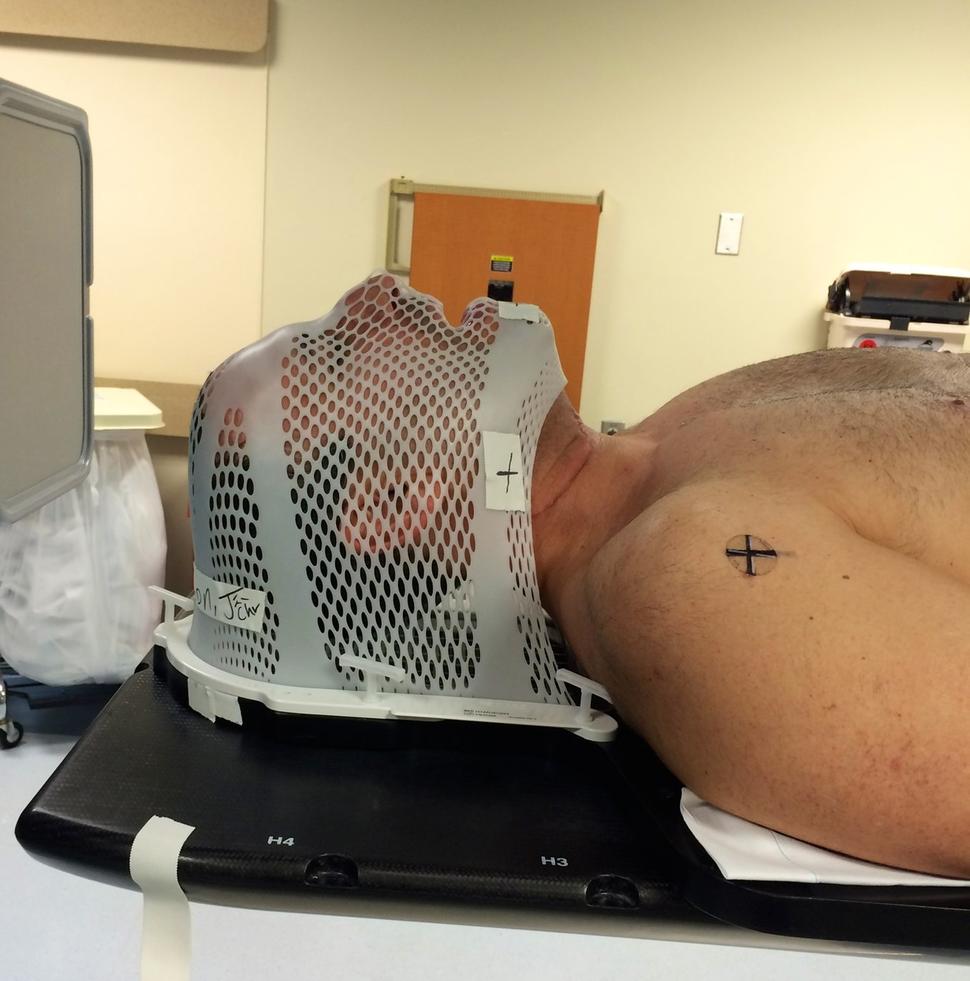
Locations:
232 605
504 484
519 311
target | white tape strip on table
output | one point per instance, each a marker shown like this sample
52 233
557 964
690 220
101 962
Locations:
166 945
743 850
213 704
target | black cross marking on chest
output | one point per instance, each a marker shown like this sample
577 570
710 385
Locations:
750 554
508 474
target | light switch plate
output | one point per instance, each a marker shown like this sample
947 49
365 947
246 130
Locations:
729 233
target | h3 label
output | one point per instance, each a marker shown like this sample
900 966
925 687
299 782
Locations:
552 860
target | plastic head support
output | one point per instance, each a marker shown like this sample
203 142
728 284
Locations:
364 481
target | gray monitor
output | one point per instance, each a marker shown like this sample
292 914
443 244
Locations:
46 372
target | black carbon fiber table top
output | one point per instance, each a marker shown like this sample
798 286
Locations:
288 811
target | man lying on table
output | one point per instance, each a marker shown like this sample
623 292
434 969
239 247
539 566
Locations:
771 575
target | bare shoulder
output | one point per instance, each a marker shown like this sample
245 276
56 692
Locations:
821 374
789 670
848 369
672 569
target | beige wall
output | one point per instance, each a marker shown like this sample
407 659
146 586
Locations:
837 128
178 146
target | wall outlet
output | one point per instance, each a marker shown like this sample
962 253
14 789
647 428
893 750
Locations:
611 426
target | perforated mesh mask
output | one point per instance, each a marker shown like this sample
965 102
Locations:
370 474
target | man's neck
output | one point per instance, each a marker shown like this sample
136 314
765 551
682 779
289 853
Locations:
586 487
565 446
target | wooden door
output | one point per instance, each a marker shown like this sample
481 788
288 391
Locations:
552 246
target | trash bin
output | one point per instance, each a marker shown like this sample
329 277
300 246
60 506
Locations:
75 606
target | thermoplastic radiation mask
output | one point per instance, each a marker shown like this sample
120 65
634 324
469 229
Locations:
360 499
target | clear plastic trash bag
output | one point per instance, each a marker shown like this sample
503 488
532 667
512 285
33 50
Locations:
74 600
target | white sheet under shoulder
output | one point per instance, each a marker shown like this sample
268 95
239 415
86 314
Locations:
743 850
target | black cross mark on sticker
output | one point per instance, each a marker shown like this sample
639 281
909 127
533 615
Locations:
508 474
749 548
